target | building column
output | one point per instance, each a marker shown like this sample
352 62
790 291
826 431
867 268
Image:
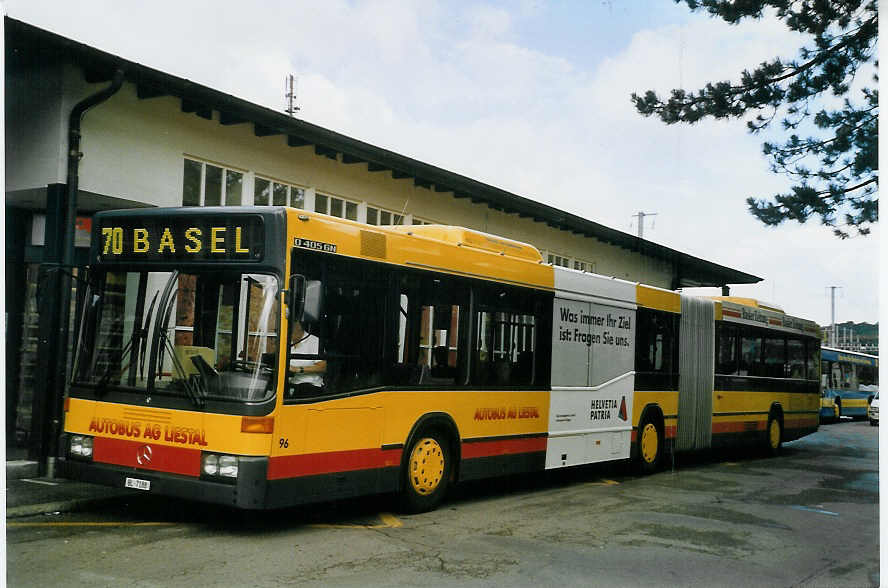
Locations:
49 381
17 225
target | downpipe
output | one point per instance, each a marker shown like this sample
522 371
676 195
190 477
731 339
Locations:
64 295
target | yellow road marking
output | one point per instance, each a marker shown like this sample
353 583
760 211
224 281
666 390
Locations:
87 524
389 521
603 482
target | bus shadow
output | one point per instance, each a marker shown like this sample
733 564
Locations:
382 511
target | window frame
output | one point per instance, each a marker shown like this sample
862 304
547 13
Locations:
202 182
288 200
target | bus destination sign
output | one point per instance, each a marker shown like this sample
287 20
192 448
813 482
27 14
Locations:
228 238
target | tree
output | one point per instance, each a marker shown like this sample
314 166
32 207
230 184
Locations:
834 167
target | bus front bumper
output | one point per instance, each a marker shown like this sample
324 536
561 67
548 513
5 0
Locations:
248 492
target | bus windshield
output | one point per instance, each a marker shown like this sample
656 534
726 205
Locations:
203 335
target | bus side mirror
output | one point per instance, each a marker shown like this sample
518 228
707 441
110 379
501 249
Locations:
312 302
304 299
296 297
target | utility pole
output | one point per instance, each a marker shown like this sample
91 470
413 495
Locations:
833 335
641 216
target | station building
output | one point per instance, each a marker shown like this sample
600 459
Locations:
150 138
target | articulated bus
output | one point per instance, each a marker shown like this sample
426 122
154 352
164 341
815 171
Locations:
266 357
849 381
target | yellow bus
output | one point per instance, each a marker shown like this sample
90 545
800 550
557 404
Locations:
265 357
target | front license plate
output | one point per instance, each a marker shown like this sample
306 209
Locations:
138 484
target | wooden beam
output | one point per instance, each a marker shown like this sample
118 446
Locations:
325 151
422 183
226 118
294 141
399 175
346 158
375 167
197 108
261 131
143 92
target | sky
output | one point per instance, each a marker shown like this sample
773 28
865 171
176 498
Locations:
528 96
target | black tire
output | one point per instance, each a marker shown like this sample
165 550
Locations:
650 445
773 435
873 423
426 472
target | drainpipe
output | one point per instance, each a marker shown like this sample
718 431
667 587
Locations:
74 156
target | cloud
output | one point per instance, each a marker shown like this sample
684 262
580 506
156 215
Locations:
453 85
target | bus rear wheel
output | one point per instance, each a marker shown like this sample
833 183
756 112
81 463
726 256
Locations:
774 433
837 410
650 445
426 472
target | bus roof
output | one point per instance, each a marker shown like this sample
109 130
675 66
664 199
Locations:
748 302
463 237
858 357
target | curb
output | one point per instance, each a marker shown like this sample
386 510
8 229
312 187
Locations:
28 510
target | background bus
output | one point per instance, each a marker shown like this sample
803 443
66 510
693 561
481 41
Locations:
266 357
849 380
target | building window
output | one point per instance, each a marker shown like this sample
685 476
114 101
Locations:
335 206
555 259
378 216
205 184
419 221
271 193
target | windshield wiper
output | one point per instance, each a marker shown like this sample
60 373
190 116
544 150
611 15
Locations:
194 387
143 340
138 343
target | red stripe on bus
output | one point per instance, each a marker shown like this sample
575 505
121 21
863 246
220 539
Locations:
737 427
494 447
311 464
159 458
671 432
741 426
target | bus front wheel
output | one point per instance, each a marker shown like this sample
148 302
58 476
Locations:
426 472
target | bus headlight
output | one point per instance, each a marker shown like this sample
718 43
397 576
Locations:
228 466
210 464
216 466
81 446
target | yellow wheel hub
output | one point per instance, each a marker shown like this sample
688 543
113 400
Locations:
649 443
426 466
774 434
836 410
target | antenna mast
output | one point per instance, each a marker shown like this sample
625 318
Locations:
290 95
641 216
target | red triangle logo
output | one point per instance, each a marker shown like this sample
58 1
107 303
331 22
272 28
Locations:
623 415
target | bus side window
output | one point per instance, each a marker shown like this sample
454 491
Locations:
726 343
431 328
504 348
813 363
795 361
750 354
774 359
